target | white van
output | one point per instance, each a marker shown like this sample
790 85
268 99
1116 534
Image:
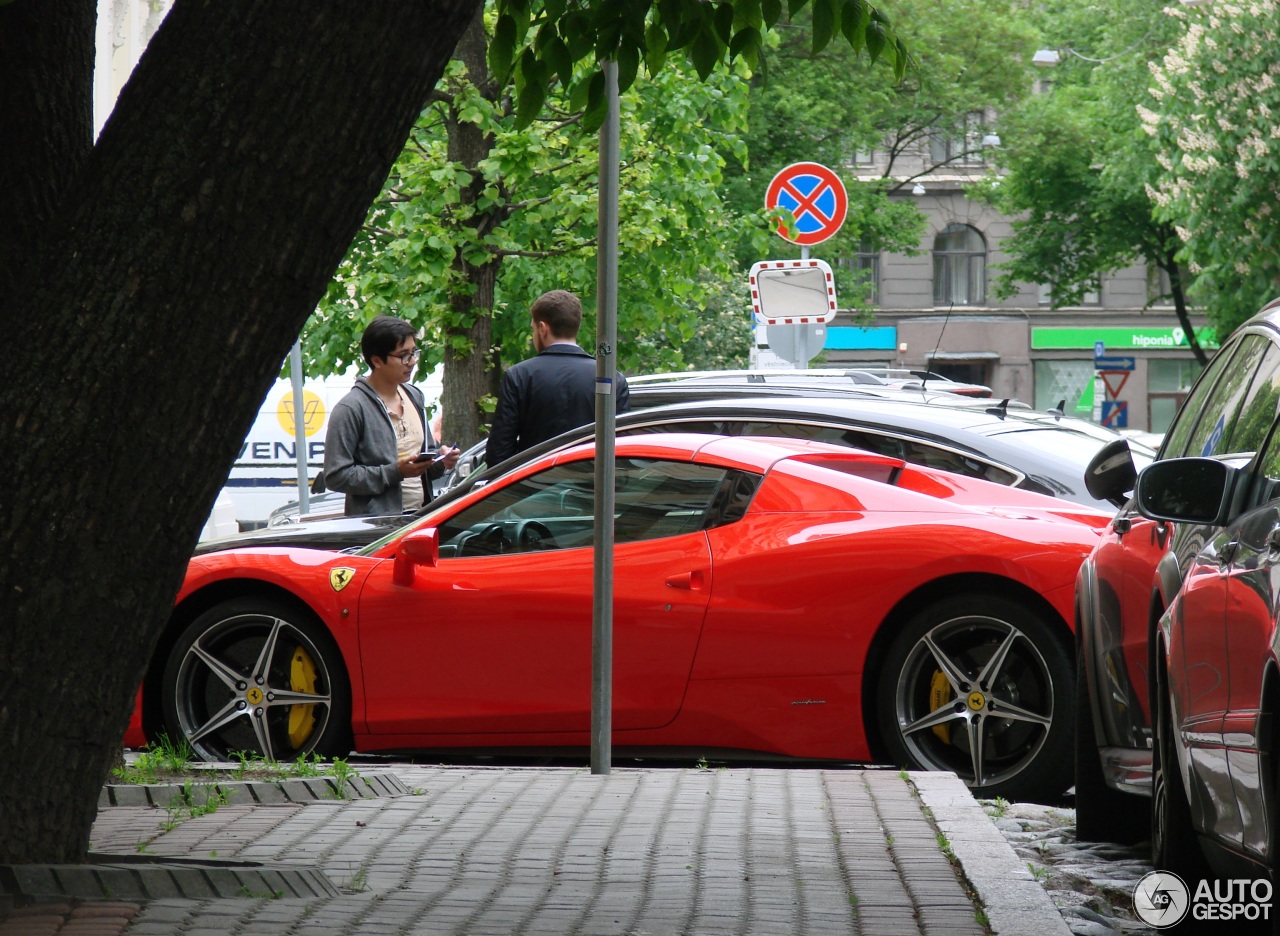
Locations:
265 474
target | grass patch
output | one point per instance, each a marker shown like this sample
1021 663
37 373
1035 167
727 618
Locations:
167 761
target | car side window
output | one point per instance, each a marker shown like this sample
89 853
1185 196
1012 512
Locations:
555 509
1266 479
1203 417
910 450
1258 412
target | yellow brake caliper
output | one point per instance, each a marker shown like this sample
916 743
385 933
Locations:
939 695
302 678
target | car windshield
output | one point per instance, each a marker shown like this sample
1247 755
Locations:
1055 458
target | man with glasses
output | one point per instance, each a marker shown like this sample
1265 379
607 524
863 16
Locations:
378 449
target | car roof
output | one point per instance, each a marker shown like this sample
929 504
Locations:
1050 451
866 376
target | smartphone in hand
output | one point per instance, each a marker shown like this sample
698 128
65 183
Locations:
433 457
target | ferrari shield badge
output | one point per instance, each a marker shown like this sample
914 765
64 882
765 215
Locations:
341 577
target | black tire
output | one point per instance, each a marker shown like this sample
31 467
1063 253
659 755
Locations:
1174 846
222 696
1103 814
984 669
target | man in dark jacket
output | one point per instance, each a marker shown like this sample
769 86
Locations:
553 392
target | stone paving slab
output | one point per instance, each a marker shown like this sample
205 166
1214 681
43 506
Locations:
559 850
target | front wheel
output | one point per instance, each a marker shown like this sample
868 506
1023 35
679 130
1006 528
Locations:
261 677
1174 846
981 686
1103 814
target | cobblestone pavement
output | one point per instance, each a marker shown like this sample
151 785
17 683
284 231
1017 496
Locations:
1091 883
560 851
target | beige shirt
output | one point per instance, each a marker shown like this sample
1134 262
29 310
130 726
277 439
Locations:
409 439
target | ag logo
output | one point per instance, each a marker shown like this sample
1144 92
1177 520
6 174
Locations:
1161 899
340 577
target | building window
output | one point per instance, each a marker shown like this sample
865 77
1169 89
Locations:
1159 289
1069 381
1169 381
1092 297
864 158
963 144
865 269
959 267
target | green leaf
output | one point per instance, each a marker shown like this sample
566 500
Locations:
746 40
854 17
655 43
597 104
705 53
628 64
579 93
559 61
532 89
724 22
748 14
824 24
876 39
502 47
578 34
771 10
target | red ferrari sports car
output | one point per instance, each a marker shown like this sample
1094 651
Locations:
771 597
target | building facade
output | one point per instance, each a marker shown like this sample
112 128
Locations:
937 310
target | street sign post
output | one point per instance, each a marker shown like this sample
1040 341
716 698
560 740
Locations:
798 344
816 198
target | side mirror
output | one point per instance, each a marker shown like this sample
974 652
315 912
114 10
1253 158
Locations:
1110 474
421 547
1186 490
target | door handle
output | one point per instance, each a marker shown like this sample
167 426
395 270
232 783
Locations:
693 581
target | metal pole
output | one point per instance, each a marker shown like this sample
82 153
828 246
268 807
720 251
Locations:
800 357
606 411
299 427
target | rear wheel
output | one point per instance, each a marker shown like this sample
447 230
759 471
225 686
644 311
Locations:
257 676
982 686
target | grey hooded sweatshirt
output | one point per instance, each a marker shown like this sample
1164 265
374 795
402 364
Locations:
360 453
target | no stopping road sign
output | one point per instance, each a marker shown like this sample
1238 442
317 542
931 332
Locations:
814 195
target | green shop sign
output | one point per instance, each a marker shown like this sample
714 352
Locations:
1118 339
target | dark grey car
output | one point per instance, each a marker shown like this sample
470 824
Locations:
1163 676
1009 445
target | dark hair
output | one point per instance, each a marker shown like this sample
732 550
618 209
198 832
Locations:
383 335
561 310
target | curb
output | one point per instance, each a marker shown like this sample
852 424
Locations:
1015 902
123 877
254 792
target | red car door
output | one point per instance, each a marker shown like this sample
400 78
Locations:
497 636
503 643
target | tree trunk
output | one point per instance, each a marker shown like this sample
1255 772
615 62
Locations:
170 283
47 55
466 373
1173 268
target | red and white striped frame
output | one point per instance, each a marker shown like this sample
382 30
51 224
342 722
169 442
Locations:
776 319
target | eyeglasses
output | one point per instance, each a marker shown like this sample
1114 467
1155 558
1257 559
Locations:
408 357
